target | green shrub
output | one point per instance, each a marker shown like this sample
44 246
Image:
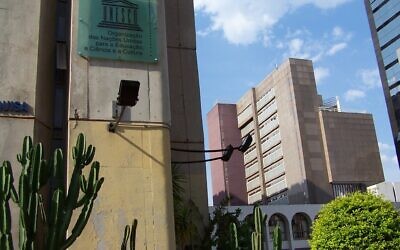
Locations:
357 221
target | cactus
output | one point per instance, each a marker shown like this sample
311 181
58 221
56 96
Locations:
132 232
257 237
233 238
7 190
36 173
64 205
277 238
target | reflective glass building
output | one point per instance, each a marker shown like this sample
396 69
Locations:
384 21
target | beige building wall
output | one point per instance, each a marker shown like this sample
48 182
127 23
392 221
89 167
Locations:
136 159
186 121
26 52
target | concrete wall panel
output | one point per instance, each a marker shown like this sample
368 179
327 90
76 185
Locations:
180 24
137 185
351 148
95 82
19 43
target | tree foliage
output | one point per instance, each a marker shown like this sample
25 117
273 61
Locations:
220 225
188 218
357 221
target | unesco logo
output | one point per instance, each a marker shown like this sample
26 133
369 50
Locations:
120 14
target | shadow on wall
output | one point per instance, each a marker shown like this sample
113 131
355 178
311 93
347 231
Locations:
309 193
233 200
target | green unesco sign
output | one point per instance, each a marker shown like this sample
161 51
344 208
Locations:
118 29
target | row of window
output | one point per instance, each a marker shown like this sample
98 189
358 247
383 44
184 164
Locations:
385 11
245 115
393 74
265 99
389 31
254 197
272 155
275 170
276 186
376 3
301 226
270 140
267 111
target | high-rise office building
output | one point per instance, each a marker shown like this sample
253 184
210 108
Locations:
304 149
228 176
61 65
384 22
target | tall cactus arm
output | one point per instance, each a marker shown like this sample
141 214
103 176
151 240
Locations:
36 168
27 145
6 242
259 222
254 241
31 228
125 238
257 219
79 149
84 186
93 177
57 204
23 202
89 155
56 165
83 217
5 213
233 238
83 156
71 198
133 234
42 209
277 238
132 238
8 170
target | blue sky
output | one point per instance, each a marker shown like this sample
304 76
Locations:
239 42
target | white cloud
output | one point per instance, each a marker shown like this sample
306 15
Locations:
370 78
336 48
394 159
389 161
388 153
295 45
384 158
321 73
203 32
301 43
248 21
384 146
323 4
337 32
351 110
354 94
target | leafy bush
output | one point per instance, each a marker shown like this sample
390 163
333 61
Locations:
357 221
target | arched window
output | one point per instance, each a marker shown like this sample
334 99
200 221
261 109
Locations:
277 219
301 226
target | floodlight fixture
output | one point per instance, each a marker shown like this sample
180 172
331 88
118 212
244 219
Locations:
127 96
226 152
247 140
